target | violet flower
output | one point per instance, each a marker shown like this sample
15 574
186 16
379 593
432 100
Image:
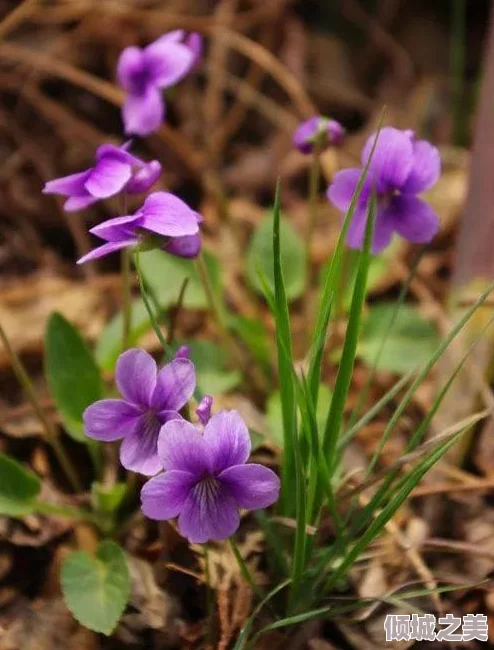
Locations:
145 72
206 479
401 168
164 221
150 399
329 131
116 169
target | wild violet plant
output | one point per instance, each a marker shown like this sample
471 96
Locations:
196 469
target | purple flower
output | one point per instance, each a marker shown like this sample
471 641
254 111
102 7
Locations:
401 168
115 170
163 221
206 479
150 398
145 72
330 131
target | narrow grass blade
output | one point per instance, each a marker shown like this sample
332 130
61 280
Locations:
425 370
389 510
331 282
244 634
290 484
399 302
345 370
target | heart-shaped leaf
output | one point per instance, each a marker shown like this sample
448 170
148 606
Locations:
72 374
96 589
18 488
410 342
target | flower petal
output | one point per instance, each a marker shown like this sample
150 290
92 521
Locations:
110 419
195 43
166 214
135 376
118 229
187 247
392 160
426 168
72 185
144 178
163 497
252 486
75 203
139 450
208 514
106 249
304 135
227 439
117 153
167 62
413 218
181 446
175 385
108 177
144 112
341 190
383 231
129 67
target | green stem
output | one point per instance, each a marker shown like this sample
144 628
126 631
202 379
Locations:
126 297
50 431
315 172
149 309
216 311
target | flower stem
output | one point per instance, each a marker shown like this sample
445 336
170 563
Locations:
314 174
126 298
236 351
147 304
50 431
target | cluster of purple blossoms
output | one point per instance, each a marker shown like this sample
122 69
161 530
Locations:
199 473
401 167
206 478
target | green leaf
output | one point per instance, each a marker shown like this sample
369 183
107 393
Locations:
165 274
410 343
18 488
211 360
109 344
96 589
275 418
72 374
108 499
293 258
